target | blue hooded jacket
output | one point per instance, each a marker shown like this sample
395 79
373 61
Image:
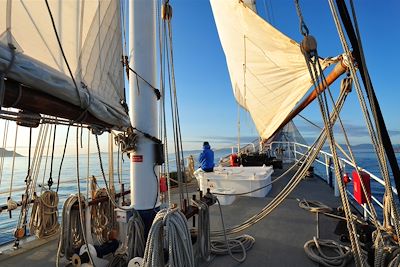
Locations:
206 158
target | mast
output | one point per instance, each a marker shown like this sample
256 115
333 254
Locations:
143 107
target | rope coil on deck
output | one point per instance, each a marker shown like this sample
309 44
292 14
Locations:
315 251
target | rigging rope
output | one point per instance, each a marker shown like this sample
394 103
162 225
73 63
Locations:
42 186
71 235
177 237
100 216
63 54
136 241
314 206
163 121
229 246
376 141
310 156
384 142
13 162
203 229
3 151
169 60
44 215
20 229
315 251
79 197
309 49
62 158
110 197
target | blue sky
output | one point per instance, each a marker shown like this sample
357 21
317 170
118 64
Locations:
208 108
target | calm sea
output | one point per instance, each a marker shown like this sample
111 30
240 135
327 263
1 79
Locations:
91 167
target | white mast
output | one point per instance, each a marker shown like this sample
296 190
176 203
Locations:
143 102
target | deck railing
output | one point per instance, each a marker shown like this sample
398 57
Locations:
293 151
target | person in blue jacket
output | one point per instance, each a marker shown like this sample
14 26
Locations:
206 158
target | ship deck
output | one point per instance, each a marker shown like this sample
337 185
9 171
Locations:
279 237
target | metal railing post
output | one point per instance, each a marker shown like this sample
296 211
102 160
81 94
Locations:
327 169
295 152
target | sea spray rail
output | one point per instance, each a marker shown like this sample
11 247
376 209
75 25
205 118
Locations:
293 151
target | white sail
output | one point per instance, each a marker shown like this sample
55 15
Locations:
90 35
268 72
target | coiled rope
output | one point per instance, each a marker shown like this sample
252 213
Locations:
203 230
135 241
100 214
315 251
71 236
177 238
339 255
230 246
44 215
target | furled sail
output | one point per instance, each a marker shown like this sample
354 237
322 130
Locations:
90 37
268 72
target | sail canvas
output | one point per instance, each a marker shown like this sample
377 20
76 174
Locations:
90 37
268 72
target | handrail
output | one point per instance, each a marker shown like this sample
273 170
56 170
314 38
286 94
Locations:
294 147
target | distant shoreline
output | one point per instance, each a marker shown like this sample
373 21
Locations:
7 153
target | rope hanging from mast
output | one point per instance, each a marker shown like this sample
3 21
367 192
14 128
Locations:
309 50
376 136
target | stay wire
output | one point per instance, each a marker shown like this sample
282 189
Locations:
320 128
381 127
13 161
163 121
42 186
315 75
179 174
50 181
5 137
328 126
310 156
62 158
352 157
383 139
63 53
105 180
81 214
174 109
176 105
24 206
311 64
375 141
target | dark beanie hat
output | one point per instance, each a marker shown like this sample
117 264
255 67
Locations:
206 144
